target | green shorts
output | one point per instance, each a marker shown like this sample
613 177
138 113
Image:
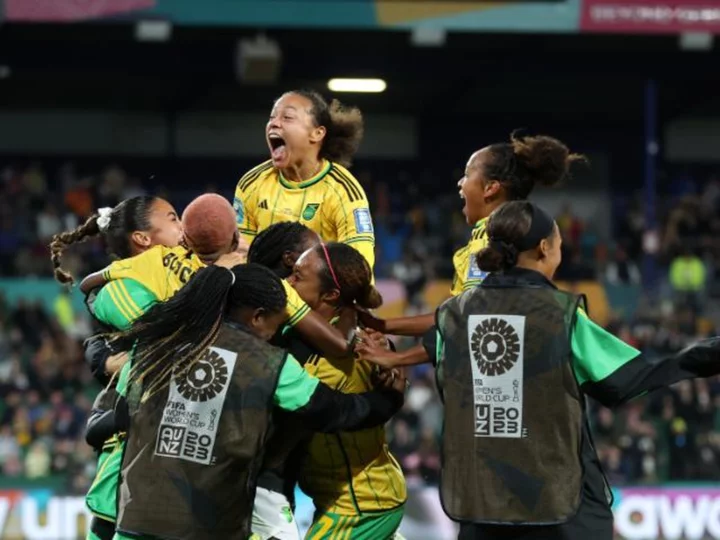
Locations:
102 495
373 526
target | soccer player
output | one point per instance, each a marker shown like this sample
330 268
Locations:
207 383
493 175
522 465
306 180
357 486
145 233
278 248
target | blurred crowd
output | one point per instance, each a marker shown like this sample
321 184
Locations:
46 392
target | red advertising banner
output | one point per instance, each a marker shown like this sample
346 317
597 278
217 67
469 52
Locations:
69 10
650 16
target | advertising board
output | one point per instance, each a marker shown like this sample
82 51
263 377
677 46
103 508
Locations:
641 513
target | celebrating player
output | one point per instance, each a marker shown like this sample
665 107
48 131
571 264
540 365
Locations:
356 485
306 180
493 175
207 384
145 232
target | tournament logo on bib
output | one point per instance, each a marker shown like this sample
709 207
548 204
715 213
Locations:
205 380
496 356
495 346
191 417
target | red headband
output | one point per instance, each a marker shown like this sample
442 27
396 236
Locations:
329 264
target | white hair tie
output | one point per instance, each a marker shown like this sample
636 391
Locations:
103 220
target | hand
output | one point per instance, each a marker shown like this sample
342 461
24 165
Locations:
230 260
115 363
376 353
370 320
243 247
373 337
390 379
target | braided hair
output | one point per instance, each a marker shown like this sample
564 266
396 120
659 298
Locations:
526 161
353 273
172 336
130 215
270 246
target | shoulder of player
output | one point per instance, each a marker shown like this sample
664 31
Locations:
350 188
262 171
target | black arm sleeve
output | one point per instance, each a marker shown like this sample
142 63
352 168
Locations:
97 351
100 427
641 375
330 411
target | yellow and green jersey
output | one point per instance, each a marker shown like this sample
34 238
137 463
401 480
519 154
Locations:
134 284
332 203
350 473
467 274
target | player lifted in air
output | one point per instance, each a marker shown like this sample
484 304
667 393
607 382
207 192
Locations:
306 180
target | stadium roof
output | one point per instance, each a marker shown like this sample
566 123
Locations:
488 76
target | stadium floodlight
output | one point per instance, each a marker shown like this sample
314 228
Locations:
157 30
696 41
371 86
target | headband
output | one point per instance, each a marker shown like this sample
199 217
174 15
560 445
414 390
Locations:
541 225
329 265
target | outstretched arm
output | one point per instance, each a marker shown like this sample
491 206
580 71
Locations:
400 326
613 372
329 411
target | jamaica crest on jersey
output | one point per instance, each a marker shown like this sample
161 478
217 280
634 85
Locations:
309 211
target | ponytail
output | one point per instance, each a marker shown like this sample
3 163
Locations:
529 160
498 256
344 134
115 225
515 227
61 241
346 270
370 299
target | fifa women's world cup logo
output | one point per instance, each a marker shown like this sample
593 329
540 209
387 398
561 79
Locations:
205 380
495 346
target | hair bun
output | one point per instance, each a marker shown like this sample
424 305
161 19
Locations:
509 252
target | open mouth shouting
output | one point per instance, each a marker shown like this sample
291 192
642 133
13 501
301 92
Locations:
278 149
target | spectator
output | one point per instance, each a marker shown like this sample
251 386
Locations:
621 270
687 278
48 223
37 462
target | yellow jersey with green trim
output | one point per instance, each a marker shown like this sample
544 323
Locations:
161 270
164 271
467 274
332 203
350 473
